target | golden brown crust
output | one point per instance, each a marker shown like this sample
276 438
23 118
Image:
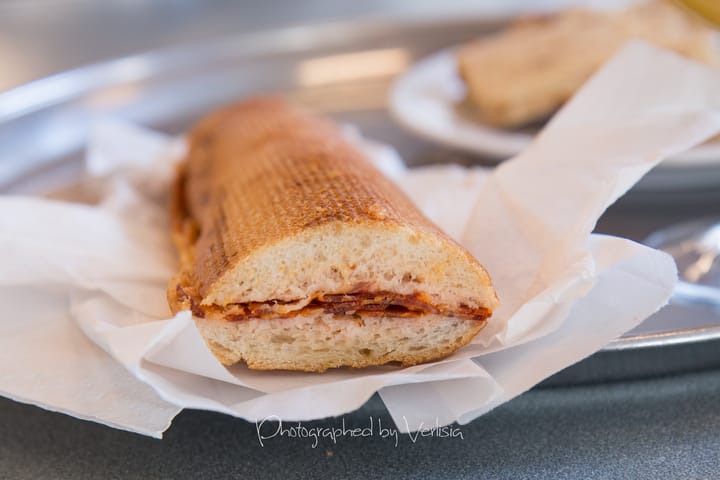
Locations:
263 170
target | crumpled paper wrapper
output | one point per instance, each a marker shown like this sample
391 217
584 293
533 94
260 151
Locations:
564 292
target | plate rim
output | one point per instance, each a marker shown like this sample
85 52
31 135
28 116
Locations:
699 157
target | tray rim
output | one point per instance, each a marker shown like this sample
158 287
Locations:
28 97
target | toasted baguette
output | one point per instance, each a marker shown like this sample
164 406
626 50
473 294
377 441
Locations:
529 70
297 254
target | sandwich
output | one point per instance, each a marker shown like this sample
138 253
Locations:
524 73
297 254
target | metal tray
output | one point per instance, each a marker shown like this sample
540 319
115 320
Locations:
343 70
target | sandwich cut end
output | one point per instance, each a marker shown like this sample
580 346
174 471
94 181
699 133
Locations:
317 341
341 258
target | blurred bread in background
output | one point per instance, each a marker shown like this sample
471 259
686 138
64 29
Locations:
526 72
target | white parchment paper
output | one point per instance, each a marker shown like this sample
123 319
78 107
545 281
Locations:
102 269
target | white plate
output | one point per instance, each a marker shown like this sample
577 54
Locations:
427 100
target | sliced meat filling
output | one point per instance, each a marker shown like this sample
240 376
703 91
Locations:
386 304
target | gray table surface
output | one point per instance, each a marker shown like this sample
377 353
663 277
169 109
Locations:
653 428
665 424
